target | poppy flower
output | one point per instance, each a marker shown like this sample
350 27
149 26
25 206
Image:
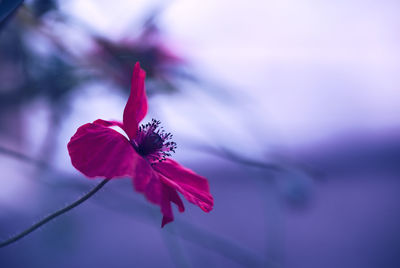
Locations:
97 150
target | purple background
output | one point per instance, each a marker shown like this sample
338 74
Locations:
289 108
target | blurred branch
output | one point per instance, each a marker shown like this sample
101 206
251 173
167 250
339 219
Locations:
223 246
23 157
7 7
189 232
174 248
231 156
227 154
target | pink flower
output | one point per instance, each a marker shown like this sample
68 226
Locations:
97 150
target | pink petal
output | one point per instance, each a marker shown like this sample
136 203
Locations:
136 107
99 151
169 195
193 187
109 123
174 198
151 187
159 193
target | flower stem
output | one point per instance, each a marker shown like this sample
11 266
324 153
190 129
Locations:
54 215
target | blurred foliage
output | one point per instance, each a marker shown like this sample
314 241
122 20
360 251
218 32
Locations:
7 7
37 63
41 7
115 60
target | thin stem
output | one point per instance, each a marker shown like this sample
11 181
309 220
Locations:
54 215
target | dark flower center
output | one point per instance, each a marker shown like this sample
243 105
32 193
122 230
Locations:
153 143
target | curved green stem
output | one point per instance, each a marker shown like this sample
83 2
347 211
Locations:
54 215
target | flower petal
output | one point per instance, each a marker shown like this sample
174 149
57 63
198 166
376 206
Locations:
99 151
150 186
169 195
109 123
174 198
160 194
193 187
136 107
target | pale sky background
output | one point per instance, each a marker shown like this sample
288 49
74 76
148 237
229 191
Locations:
306 69
300 72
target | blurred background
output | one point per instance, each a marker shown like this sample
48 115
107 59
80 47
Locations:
289 108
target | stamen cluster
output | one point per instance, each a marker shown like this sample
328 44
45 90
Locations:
153 142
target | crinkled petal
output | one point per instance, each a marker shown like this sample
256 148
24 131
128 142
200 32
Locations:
166 209
192 186
169 195
151 187
174 198
136 107
160 194
99 151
